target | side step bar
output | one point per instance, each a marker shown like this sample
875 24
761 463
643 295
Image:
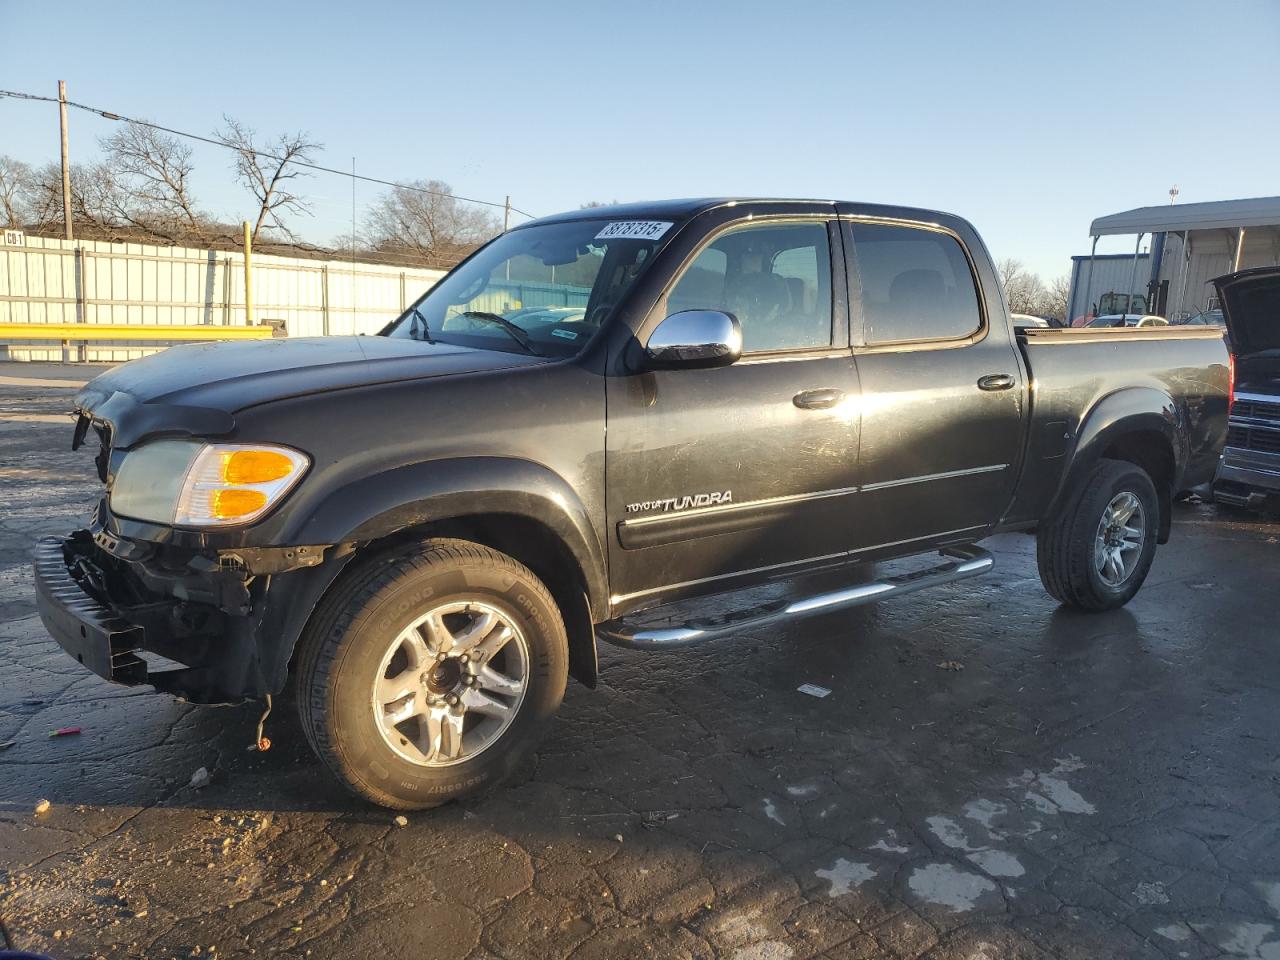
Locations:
961 563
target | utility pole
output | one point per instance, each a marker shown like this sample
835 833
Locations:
506 224
66 163
248 276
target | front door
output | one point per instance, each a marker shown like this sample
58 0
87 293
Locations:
943 393
745 469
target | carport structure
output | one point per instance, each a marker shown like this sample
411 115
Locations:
1191 243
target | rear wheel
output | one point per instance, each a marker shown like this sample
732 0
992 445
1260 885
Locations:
428 675
1097 551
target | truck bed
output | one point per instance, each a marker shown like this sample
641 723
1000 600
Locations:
1071 371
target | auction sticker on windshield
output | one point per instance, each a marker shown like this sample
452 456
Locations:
634 230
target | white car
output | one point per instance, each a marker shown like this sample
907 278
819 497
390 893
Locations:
1128 320
1027 320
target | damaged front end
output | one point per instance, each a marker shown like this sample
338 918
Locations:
200 614
213 627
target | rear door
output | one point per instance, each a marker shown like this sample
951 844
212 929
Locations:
941 390
748 469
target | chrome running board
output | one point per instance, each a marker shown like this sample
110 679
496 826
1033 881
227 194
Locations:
961 563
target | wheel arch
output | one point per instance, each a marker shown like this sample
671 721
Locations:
537 546
514 506
1139 425
406 500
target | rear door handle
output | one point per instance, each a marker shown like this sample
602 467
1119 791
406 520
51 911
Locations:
818 399
997 381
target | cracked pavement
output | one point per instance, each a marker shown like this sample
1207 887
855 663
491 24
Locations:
1082 786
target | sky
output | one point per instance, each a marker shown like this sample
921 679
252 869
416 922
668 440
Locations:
1027 118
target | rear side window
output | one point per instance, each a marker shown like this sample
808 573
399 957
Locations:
915 284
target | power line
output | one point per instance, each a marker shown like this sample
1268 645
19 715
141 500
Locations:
107 114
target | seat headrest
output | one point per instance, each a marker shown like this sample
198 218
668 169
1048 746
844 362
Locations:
795 286
918 289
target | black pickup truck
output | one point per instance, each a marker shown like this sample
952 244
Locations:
596 414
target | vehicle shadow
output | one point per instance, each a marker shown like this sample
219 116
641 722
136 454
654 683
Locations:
664 730
688 791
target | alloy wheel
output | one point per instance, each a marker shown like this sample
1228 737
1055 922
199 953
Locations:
1121 534
450 683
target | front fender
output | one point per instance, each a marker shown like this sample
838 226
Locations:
404 497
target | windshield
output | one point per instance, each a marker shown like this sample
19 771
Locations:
543 289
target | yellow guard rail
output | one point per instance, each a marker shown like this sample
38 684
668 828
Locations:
130 331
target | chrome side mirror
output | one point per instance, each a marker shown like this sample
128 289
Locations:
695 338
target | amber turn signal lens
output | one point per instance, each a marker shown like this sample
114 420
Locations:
255 466
227 504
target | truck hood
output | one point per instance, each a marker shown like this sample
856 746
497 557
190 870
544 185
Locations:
1251 309
196 389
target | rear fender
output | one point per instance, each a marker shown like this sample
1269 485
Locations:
1131 411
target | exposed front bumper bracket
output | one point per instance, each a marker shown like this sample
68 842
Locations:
960 563
82 626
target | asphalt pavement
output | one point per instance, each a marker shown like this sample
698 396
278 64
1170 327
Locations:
990 776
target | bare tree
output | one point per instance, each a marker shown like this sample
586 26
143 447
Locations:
1010 271
151 173
423 219
44 195
97 198
1022 288
103 201
17 182
1055 298
102 204
267 172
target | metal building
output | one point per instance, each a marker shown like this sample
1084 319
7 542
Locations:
1191 243
1109 273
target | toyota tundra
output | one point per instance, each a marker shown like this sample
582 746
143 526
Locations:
427 531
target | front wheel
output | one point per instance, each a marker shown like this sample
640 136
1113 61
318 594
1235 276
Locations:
427 675
1097 551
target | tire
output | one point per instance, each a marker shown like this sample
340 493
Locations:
1072 568
359 652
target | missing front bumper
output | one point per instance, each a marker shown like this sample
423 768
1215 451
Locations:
217 628
85 628
162 641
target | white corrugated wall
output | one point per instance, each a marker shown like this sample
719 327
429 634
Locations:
1211 254
1111 273
60 281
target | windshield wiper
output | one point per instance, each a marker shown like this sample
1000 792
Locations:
418 318
516 334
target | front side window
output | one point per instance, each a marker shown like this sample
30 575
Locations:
542 289
775 278
915 284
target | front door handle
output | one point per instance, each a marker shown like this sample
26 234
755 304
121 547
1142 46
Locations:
997 381
818 399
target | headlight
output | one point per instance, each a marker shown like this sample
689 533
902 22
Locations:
192 484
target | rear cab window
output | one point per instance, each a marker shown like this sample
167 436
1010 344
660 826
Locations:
911 285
